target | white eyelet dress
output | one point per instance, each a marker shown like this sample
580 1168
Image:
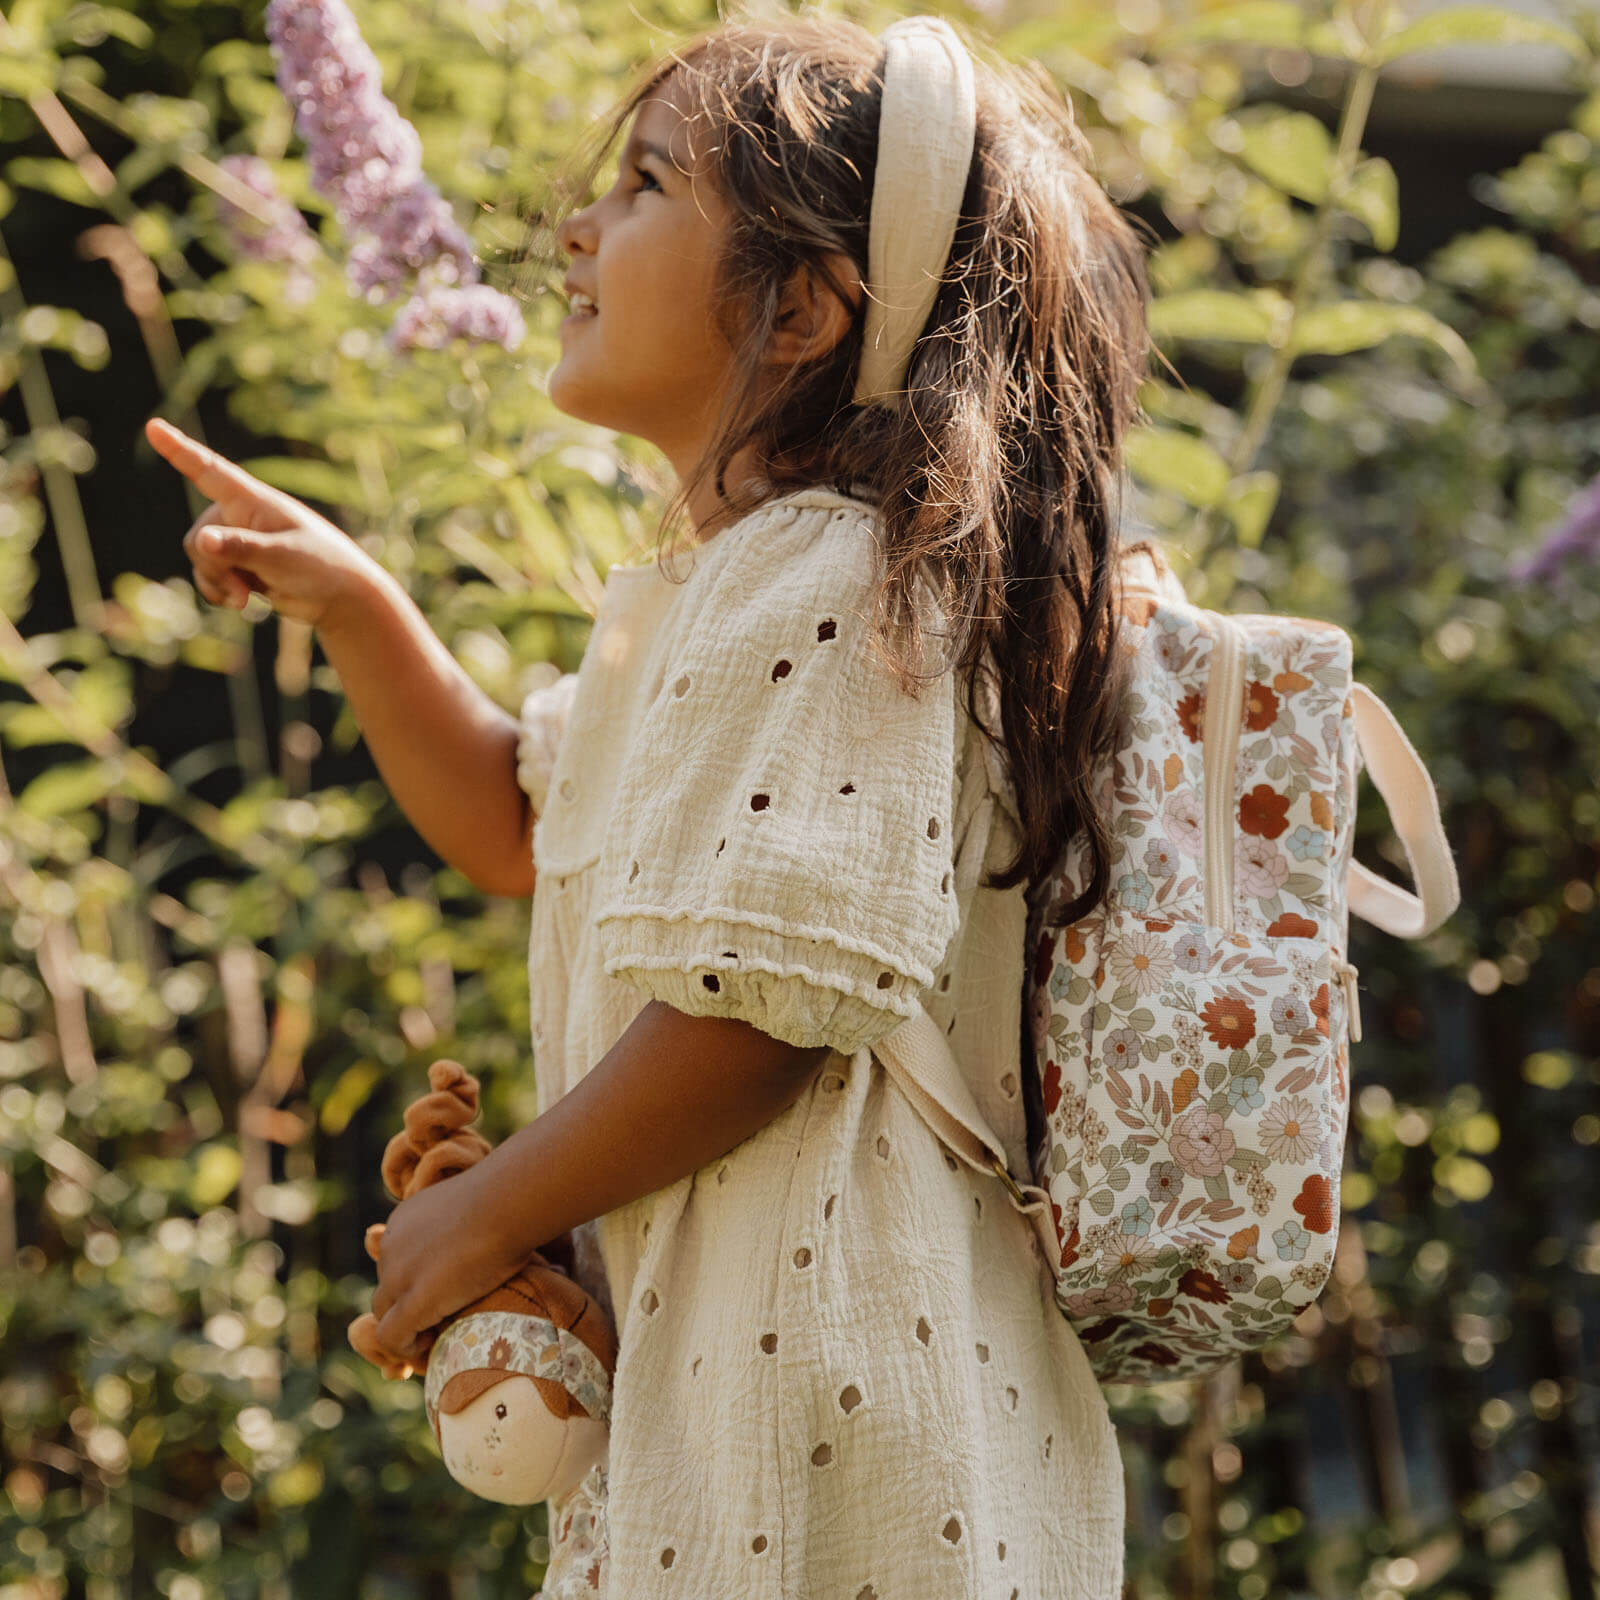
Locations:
841 1375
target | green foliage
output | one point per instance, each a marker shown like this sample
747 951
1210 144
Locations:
212 1012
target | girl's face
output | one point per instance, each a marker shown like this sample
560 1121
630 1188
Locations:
650 360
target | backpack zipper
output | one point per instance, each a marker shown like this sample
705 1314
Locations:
1220 735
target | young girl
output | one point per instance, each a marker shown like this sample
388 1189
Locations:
866 299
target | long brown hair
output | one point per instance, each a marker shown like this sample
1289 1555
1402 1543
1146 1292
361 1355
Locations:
999 478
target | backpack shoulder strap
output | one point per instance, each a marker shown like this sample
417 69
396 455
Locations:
1407 790
918 1058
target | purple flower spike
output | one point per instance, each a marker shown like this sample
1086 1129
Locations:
284 239
429 320
365 156
1576 536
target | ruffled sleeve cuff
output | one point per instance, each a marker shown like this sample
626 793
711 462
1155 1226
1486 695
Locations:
542 723
801 987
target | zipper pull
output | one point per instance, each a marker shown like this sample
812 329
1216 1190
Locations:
1352 999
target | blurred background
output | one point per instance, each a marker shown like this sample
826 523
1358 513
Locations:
226 961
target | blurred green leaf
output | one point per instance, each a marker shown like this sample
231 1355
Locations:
1373 195
1249 501
1339 328
1292 150
1251 317
1478 25
1178 462
1266 22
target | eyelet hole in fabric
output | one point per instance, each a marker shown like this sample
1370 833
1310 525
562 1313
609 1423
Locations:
924 1330
568 789
827 629
1049 1439
869 1593
1011 1399
802 1257
720 843
832 1083
952 1530
722 1174
681 687
710 981
944 983
977 1205
760 802
759 1543
933 827
849 1398
944 884
983 1354
694 1371
827 1210
635 873
883 1147
1001 1548
780 669
950 1161
1008 1086
848 788
885 980
822 1455
668 1556
769 1344
649 1301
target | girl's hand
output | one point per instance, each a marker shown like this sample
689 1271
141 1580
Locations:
254 538
440 1251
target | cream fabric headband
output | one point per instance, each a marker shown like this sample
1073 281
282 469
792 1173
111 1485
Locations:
925 136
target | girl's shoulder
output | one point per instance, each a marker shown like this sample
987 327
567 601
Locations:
812 538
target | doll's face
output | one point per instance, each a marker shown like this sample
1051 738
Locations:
506 1446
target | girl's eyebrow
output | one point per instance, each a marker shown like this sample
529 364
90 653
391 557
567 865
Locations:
650 148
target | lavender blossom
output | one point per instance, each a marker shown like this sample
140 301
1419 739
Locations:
432 317
364 155
284 239
1576 536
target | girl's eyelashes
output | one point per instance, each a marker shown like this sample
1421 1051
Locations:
648 176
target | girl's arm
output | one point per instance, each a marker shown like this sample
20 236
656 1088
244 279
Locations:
447 752
674 1093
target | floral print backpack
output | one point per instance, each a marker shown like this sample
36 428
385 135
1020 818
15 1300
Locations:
1191 1033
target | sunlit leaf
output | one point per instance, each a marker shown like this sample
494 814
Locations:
1478 25
1292 150
1268 22
1216 314
1346 325
1178 462
1373 195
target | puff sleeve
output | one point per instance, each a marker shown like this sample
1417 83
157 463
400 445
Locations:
540 725
780 847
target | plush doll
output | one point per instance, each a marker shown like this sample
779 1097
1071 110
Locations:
518 1384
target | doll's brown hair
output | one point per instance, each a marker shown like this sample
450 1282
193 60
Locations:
999 479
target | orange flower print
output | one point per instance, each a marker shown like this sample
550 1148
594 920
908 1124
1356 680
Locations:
1229 1020
1264 812
1243 1243
1172 771
1290 683
499 1353
1190 710
1072 945
1202 1286
1315 1203
1183 1088
1319 1010
1292 926
1321 810
1260 707
1052 1087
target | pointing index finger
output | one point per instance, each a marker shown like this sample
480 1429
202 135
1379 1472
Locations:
212 474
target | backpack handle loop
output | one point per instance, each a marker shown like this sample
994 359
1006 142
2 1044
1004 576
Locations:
1401 778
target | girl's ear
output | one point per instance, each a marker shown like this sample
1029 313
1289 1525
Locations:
811 317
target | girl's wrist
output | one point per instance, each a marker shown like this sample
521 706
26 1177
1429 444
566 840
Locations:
367 594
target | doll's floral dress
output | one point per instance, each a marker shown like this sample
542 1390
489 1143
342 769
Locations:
841 1375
